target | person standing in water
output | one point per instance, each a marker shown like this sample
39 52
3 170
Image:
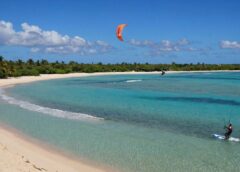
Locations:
229 129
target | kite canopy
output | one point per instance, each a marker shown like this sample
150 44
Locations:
119 31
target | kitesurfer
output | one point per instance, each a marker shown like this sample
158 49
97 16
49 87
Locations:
229 129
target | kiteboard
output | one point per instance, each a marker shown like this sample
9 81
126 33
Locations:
221 137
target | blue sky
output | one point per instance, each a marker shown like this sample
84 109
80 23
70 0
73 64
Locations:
158 31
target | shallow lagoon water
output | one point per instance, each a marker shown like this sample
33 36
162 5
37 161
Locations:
150 122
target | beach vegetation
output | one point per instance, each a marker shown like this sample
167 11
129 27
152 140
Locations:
30 67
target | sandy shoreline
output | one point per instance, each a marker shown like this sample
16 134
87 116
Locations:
20 154
17 153
27 79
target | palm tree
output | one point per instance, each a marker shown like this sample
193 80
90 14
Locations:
30 62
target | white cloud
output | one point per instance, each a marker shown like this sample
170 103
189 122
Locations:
144 43
168 46
35 50
39 40
164 46
6 32
230 44
183 41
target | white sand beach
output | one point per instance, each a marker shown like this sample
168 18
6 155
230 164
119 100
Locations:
20 154
27 79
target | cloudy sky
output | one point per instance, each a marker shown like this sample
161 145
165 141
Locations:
158 31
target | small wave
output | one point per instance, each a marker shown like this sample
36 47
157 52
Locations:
49 111
134 80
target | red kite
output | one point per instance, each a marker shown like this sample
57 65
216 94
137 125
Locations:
119 31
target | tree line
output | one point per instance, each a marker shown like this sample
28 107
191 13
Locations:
9 68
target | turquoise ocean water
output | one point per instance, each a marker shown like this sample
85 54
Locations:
145 123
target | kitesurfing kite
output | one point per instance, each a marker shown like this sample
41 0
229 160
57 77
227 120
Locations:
120 30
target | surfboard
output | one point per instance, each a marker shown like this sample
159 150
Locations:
221 137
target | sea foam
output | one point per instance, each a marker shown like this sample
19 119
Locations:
134 80
46 110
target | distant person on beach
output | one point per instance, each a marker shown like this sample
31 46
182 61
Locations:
163 72
229 129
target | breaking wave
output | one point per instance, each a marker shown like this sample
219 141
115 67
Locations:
49 111
134 80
